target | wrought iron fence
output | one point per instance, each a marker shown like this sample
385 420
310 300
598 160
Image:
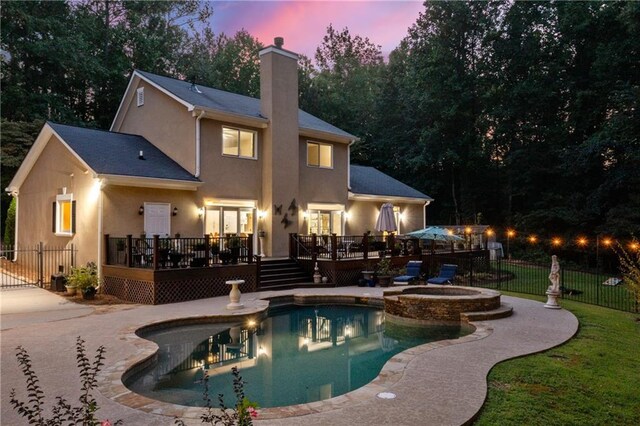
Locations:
597 288
165 253
34 265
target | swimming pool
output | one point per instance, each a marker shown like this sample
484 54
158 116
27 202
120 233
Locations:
297 354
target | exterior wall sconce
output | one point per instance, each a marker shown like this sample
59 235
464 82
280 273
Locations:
141 210
262 214
175 211
201 212
347 215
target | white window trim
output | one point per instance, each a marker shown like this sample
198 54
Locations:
65 198
255 143
319 166
140 96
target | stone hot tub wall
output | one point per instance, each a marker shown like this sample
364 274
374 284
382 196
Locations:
439 303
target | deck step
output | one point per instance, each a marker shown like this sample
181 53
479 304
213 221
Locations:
282 274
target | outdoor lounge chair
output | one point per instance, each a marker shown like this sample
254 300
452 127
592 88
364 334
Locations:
413 272
447 272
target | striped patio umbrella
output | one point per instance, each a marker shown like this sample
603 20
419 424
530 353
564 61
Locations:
386 219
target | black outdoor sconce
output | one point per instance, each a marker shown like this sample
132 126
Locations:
141 210
175 211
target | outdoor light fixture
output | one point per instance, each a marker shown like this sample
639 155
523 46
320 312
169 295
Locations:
262 351
200 211
489 232
175 211
634 246
533 239
141 210
606 242
467 230
582 241
262 214
556 241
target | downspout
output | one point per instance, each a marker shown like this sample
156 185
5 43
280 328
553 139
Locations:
424 214
349 164
100 234
15 231
198 118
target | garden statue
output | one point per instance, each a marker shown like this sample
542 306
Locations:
554 289
317 278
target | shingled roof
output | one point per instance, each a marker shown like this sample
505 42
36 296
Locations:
371 181
219 100
112 153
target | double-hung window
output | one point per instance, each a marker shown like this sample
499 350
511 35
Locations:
64 215
320 155
239 143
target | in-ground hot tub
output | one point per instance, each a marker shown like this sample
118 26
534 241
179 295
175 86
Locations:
444 303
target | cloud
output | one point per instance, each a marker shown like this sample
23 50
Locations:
304 23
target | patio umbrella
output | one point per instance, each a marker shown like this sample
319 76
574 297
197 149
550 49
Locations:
434 233
386 220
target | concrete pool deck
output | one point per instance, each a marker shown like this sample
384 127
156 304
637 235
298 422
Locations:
435 384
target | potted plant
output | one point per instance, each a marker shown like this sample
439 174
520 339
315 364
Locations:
383 272
368 274
84 279
234 246
225 256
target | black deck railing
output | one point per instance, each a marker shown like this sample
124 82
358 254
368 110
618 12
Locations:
342 247
173 253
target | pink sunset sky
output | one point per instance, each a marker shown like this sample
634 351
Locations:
304 23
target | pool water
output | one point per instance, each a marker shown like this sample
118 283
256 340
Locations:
297 354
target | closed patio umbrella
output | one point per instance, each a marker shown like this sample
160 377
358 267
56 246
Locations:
434 233
386 220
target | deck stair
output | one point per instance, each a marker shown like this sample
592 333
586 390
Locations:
282 274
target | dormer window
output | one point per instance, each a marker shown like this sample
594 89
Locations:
320 155
140 96
239 143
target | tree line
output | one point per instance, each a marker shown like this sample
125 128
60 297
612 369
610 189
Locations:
508 113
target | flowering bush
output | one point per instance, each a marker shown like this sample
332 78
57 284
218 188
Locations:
243 414
63 412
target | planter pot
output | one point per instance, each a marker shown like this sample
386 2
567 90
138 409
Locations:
89 293
70 290
384 280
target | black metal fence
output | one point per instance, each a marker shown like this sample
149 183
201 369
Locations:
597 288
34 265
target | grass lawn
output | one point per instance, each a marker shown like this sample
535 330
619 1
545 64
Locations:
593 379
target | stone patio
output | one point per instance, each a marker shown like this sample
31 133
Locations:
441 383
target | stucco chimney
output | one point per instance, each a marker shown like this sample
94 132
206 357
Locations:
280 144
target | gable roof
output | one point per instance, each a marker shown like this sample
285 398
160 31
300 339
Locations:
370 182
111 156
227 102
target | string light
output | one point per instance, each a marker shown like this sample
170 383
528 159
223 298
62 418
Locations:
606 242
556 241
533 239
511 233
582 241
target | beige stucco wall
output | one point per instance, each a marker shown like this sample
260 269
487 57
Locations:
164 122
319 185
57 168
364 214
121 205
224 176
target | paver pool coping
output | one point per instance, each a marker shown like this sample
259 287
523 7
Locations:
465 363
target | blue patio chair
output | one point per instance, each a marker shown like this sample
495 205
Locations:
447 273
413 272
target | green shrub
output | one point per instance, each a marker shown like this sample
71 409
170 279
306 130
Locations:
83 277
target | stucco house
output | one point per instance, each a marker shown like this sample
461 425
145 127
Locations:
192 160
